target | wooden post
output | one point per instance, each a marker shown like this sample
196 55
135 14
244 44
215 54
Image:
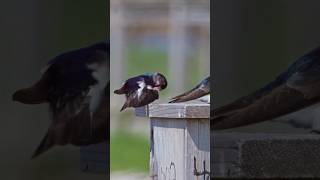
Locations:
180 140
95 158
265 155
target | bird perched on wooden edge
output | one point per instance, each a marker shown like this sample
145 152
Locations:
142 90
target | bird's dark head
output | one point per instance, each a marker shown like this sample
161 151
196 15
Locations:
206 81
160 82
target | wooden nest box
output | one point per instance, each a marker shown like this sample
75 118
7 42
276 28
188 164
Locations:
180 140
95 158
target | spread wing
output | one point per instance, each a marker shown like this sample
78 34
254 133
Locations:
70 81
293 90
76 82
282 100
129 86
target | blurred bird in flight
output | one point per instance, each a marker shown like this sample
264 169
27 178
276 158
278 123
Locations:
296 88
76 86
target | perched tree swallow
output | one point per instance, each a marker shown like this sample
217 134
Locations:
76 86
142 90
295 89
202 89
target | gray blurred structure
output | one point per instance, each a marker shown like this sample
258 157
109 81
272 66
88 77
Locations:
95 158
174 18
262 155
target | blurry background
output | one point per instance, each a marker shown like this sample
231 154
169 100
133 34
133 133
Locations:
254 41
32 32
167 36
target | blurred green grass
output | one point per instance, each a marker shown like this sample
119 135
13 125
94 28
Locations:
129 152
142 60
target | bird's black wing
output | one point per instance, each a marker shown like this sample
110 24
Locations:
130 85
296 88
73 82
280 101
147 97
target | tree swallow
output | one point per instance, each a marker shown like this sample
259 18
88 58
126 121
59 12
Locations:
76 86
295 89
199 91
142 90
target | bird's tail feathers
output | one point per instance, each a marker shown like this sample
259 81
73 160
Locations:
124 107
118 91
28 96
45 144
35 94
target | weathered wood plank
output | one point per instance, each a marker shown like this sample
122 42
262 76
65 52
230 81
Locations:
197 147
224 155
175 110
142 111
153 161
95 158
262 155
168 136
180 140
92 167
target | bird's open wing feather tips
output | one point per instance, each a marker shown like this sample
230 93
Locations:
129 86
280 101
296 88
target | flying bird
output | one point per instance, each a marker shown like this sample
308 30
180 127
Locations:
201 90
142 90
76 86
295 89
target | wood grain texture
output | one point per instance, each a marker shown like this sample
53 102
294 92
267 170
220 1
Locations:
180 140
177 144
175 110
265 155
142 111
168 137
197 147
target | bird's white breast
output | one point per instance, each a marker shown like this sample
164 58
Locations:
141 85
101 75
